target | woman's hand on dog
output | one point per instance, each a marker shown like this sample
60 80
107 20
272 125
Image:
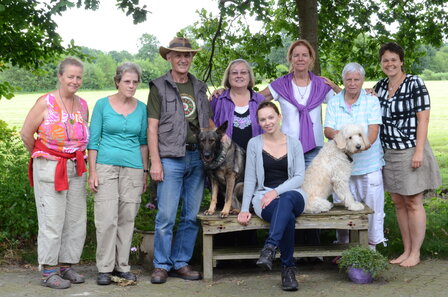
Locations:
244 217
268 197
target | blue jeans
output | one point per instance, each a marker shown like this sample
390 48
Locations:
282 213
309 156
183 178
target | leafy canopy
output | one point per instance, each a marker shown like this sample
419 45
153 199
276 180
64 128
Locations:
28 36
346 31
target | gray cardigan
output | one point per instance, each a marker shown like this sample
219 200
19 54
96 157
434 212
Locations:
254 188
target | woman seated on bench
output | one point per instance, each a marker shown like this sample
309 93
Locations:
275 169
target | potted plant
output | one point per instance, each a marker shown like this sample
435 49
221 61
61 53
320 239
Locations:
362 264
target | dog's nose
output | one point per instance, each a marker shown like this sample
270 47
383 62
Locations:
358 146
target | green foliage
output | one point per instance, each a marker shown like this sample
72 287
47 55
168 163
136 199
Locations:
363 258
149 47
18 219
28 33
431 75
349 30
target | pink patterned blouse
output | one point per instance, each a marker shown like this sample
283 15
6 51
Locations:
61 131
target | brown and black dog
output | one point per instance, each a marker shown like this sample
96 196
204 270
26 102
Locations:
224 165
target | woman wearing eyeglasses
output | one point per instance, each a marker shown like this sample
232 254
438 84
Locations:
238 103
118 172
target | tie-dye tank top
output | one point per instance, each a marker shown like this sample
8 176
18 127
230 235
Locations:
61 131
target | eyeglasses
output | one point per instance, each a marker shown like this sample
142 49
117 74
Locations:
242 72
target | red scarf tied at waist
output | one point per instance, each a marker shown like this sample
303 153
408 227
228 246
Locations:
60 174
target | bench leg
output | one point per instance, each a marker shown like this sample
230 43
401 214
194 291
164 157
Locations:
354 236
364 238
207 254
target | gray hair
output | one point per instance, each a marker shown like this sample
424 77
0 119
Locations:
353 67
69 61
225 80
127 67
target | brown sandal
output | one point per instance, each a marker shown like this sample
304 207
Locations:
73 276
54 281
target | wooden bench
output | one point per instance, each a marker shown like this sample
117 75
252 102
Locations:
337 218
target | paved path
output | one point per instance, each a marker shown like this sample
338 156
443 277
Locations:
429 278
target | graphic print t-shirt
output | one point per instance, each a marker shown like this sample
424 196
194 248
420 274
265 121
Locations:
190 109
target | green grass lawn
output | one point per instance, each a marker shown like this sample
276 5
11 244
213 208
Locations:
15 110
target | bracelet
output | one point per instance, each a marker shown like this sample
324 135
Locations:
145 170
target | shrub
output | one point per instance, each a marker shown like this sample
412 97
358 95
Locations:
18 219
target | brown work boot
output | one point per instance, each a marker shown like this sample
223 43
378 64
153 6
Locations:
186 273
159 276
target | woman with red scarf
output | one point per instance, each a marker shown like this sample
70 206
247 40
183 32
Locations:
57 172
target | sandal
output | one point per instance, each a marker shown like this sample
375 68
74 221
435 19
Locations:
73 276
54 281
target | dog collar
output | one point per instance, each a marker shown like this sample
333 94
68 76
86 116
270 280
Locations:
349 157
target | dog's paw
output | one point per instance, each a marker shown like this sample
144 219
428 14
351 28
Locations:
235 211
209 212
355 206
318 205
326 206
224 214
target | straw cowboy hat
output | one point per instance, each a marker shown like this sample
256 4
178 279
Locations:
178 44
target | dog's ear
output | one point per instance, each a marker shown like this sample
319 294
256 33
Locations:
364 136
339 139
222 129
194 129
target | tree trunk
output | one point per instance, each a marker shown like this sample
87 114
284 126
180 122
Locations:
309 27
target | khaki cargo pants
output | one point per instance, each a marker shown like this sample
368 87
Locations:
61 215
116 205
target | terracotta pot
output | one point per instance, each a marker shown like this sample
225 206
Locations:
359 276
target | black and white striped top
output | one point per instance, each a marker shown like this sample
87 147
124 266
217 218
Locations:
399 129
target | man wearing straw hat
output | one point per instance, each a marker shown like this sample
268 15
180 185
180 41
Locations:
176 100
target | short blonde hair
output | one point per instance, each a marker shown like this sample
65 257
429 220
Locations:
306 44
225 80
69 61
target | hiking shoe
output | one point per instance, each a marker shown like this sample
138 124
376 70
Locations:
186 273
126 275
103 279
73 276
159 276
267 255
55 281
289 282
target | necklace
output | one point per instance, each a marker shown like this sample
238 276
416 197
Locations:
70 114
304 93
391 87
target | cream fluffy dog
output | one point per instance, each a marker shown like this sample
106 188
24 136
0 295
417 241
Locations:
331 169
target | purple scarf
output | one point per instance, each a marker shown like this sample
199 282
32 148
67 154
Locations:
319 89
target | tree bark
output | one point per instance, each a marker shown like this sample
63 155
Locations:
309 26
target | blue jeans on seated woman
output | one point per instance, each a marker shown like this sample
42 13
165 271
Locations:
281 213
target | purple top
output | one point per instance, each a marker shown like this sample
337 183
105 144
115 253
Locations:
223 110
319 89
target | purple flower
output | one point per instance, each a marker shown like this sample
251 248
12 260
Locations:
133 249
150 205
